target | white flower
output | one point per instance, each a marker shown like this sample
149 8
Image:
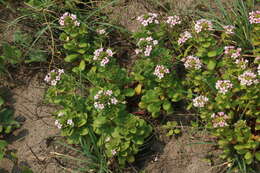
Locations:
192 62
203 24
229 29
160 71
101 31
104 61
223 86
184 37
150 18
70 122
173 20
219 119
200 101
60 114
248 78
58 124
109 92
254 17
242 63
113 152
114 101
72 17
234 53
107 139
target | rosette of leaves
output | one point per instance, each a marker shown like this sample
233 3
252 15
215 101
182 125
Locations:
125 137
239 140
111 73
156 101
79 44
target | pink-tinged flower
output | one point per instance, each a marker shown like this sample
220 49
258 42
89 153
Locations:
114 101
160 71
60 114
242 63
58 124
184 37
70 122
229 29
150 18
173 20
109 92
113 152
104 61
223 86
101 55
200 101
254 17
192 62
99 106
248 78
137 51
219 119
148 50
109 52
107 139
101 31
231 51
203 24
53 77
69 16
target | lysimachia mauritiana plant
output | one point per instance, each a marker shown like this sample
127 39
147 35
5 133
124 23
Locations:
223 85
221 79
101 107
155 68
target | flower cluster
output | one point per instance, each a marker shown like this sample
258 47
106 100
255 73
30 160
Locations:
101 31
58 124
150 18
203 24
223 86
242 63
248 78
54 76
219 119
184 37
192 62
173 20
103 98
102 56
229 29
254 17
160 71
200 101
71 17
231 51
148 44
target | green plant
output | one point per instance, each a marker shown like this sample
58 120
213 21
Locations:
7 124
171 127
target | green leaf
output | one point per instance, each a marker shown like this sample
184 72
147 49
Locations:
211 65
212 53
84 132
129 92
257 156
248 155
153 108
71 57
83 45
82 65
1 101
130 159
167 105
